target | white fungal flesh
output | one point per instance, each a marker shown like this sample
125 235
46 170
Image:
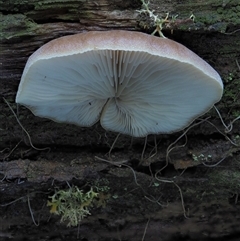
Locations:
130 92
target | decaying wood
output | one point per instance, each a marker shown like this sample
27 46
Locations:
210 193
25 26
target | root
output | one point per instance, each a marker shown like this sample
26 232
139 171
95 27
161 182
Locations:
147 194
31 212
229 127
172 147
119 164
109 153
222 133
145 230
235 31
10 153
144 148
24 199
20 124
214 165
179 189
155 148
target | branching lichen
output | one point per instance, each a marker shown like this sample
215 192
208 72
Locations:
72 204
160 22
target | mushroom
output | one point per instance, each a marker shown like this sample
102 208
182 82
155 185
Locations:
134 83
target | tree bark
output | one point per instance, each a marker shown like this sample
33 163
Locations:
208 196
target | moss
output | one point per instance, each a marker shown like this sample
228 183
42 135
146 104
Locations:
14 5
213 15
229 14
231 97
221 185
15 26
58 9
227 179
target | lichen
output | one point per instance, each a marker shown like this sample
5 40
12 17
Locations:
205 18
169 22
73 204
15 26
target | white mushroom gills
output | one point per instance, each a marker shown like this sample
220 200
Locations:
133 83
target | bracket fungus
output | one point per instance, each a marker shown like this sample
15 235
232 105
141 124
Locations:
134 83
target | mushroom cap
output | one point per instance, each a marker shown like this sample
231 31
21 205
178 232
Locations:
134 83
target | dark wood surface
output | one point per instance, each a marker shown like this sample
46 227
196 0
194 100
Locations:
137 201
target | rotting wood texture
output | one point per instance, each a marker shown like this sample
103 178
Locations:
210 194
